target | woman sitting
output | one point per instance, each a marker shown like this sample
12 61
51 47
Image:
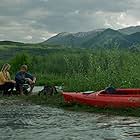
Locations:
6 84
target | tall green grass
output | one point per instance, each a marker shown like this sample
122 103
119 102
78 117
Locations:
81 70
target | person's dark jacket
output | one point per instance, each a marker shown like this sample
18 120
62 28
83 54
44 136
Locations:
20 77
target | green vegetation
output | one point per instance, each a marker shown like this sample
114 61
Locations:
78 69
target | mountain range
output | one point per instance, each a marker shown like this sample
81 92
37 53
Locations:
126 37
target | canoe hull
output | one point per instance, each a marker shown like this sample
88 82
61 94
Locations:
122 99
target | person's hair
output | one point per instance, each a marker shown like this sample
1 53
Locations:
5 67
25 67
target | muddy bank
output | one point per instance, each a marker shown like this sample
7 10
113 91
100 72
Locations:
57 101
13 100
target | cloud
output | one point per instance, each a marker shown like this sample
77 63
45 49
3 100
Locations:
37 20
29 37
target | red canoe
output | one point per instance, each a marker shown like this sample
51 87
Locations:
120 99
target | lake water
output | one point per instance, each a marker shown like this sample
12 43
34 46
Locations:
35 122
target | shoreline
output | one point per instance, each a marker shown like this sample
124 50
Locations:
57 101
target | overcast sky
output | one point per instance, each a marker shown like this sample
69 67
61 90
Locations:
37 20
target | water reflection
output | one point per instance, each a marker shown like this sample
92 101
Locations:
36 122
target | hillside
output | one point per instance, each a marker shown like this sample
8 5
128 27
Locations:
98 38
11 43
72 39
107 38
123 38
130 30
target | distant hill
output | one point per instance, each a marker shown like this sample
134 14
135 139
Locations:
134 38
11 43
98 38
72 39
107 38
130 30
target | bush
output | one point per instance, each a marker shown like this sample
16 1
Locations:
84 70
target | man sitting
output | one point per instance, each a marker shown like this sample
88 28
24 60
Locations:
23 77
